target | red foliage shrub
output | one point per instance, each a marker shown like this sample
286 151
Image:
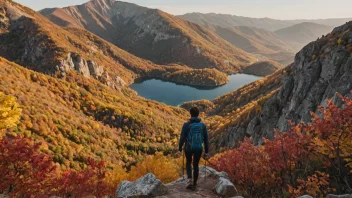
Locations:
27 172
310 158
24 170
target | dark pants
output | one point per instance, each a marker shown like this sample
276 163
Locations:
196 158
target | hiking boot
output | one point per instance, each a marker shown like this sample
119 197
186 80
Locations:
189 184
194 187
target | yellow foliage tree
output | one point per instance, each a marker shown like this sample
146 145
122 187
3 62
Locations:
161 166
9 112
115 176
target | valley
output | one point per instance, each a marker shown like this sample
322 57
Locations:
95 94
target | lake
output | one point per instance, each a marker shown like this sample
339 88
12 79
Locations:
175 94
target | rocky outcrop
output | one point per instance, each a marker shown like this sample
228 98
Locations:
320 71
4 21
147 186
210 181
88 68
76 62
314 80
210 184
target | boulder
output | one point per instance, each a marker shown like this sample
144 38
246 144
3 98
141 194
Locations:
146 186
225 188
305 196
213 172
339 196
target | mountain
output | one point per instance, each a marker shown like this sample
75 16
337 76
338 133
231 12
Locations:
72 88
77 118
303 33
251 39
321 70
152 34
226 20
257 41
31 40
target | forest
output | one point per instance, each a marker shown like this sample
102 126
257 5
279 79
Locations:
312 158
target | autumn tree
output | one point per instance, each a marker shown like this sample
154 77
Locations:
161 166
24 170
9 112
332 140
88 182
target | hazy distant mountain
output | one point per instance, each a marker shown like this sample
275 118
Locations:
251 39
303 33
256 35
152 34
226 20
257 41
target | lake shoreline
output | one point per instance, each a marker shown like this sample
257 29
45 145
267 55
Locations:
175 94
201 87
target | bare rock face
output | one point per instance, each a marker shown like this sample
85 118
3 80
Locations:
314 82
147 186
88 68
4 21
84 67
320 71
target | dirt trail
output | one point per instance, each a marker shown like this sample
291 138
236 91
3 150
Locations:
205 187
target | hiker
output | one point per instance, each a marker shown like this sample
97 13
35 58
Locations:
194 133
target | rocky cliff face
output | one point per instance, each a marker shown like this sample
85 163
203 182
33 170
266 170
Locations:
89 69
320 71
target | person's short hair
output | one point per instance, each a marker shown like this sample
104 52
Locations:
194 112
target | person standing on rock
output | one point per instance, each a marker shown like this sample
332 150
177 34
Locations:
194 134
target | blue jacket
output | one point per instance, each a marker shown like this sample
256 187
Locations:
185 130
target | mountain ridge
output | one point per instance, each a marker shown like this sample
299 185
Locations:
257 41
228 20
172 40
37 43
303 33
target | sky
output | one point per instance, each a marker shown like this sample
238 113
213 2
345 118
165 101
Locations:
277 9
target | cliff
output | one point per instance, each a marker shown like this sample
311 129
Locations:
320 71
